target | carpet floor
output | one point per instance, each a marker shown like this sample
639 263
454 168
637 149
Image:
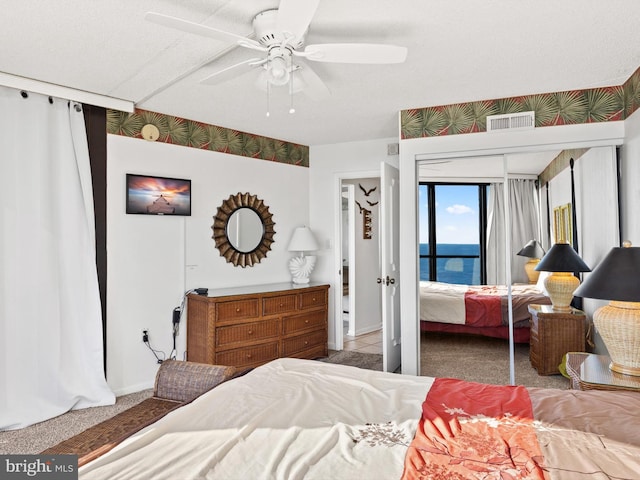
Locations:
36 438
480 359
467 357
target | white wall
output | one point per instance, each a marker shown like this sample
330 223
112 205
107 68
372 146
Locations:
630 184
152 260
328 164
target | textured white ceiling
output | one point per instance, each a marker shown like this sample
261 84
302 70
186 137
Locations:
459 51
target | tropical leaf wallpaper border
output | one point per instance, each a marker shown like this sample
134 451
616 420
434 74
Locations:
603 104
559 163
189 133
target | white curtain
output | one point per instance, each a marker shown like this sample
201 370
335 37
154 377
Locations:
50 318
525 225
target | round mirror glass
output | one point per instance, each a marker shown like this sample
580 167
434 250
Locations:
245 230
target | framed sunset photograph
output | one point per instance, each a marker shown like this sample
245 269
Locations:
151 195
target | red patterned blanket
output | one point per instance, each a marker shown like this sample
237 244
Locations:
477 431
471 428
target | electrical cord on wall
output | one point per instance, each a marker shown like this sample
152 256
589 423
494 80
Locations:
176 317
145 339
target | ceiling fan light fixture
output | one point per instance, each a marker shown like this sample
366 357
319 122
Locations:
278 71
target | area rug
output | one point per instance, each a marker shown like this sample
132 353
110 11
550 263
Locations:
370 361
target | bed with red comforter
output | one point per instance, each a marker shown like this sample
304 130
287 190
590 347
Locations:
477 309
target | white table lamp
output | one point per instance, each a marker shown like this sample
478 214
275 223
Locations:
301 266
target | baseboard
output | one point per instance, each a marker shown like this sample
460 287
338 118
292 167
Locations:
133 388
370 329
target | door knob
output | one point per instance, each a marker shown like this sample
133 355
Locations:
378 280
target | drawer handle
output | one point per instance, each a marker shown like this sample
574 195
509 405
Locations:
314 299
250 332
306 342
248 355
238 309
306 320
281 305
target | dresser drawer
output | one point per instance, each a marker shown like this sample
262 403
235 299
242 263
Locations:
317 298
247 356
279 304
237 309
246 332
307 321
303 342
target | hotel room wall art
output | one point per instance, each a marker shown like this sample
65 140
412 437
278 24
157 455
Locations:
150 195
562 225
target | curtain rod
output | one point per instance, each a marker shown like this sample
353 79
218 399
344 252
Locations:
51 89
511 176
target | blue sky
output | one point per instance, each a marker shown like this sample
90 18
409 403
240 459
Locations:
456 214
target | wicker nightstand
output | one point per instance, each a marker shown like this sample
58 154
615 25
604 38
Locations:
591 372
552 335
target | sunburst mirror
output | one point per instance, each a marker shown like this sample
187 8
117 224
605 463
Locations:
243 229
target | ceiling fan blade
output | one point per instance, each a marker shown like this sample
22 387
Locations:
355 53
294 16
232 71
203 30
314 87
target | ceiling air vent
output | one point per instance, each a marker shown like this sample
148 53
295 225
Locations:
511 121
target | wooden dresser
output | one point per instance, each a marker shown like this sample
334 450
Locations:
249 326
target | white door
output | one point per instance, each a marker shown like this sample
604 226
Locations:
389 266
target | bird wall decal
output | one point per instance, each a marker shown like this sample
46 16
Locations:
372 203
365 191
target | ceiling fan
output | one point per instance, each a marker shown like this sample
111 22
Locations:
280 39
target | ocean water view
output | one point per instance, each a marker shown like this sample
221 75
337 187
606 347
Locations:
452 269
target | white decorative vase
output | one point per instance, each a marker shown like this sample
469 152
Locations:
301 267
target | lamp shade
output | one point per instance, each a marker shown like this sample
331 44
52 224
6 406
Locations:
616 277
561 257
302 240
532 249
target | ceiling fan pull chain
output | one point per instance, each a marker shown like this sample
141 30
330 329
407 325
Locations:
291 109
268 94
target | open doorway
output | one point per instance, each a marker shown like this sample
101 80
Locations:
359 304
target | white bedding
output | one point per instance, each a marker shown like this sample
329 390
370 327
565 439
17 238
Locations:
243 428
442 302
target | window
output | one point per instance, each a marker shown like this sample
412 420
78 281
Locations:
452 226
